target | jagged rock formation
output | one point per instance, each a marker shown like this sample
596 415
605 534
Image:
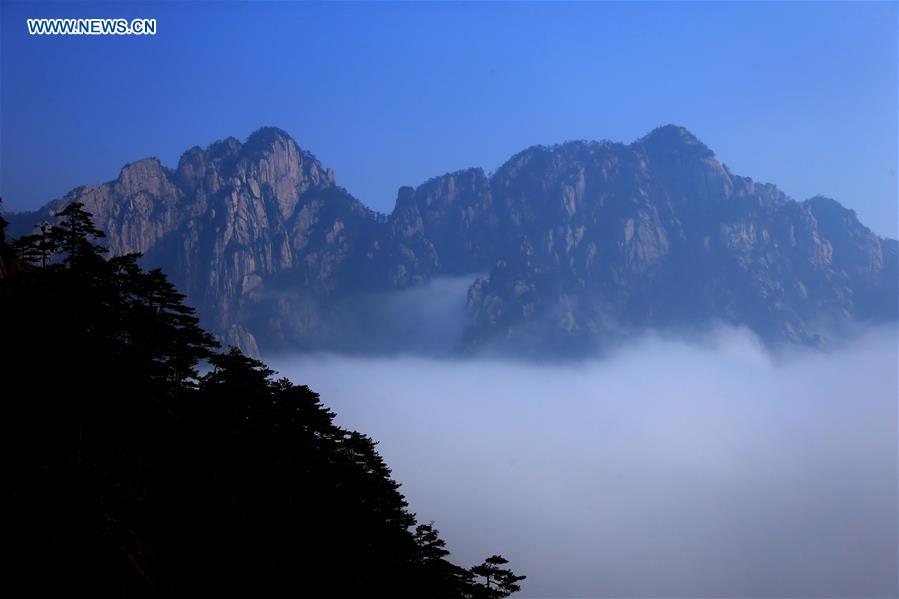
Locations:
660 234
257 234
583 242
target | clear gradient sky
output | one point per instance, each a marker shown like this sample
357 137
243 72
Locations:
801 94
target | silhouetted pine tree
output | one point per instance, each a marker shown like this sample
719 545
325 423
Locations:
455 581
127 473
75 233
498 582
37 248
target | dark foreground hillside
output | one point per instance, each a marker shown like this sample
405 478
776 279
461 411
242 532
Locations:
127 473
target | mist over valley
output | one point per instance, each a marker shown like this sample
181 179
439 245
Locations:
668 468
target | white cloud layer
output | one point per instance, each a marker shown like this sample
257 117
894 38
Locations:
668 469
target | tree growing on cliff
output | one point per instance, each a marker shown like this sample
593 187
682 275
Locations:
128 473
498 582
39 247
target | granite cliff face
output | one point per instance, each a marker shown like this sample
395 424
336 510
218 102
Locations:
257 234
659 234
584 242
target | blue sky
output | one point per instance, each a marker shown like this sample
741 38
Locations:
801 94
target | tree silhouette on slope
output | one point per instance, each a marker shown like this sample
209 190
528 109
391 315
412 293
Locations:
139 462
498 582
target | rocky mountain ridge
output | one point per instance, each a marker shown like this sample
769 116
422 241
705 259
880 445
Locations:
583 243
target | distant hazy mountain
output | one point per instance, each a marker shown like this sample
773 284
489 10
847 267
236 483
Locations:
584 243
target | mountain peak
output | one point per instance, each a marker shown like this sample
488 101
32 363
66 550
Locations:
576 239
144 174
152 163
829 213
224 148
268 136
825 202
674 138
272 140
672 132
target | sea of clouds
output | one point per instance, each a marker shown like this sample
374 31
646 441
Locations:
710 468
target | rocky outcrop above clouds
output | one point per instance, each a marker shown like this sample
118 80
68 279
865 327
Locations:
582 243
659 234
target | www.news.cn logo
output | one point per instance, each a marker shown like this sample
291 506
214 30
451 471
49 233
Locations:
92 26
